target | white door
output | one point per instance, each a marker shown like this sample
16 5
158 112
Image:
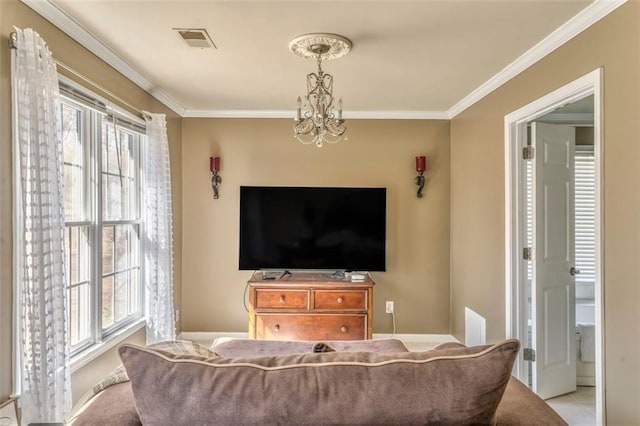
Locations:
554 337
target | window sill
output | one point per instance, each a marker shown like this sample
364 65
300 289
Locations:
84 358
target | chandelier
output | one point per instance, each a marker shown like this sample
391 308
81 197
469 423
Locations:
316 118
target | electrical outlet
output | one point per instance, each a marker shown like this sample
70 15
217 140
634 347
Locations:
177 315
389 306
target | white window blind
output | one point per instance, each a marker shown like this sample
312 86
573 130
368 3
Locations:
529 212
585 214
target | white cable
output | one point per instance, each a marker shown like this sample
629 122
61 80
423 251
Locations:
393 317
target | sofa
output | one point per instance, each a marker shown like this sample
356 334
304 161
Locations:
244 382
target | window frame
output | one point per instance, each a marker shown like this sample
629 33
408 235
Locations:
87 217
96 113
102 223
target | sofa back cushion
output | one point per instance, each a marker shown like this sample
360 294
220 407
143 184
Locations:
456 385
235 347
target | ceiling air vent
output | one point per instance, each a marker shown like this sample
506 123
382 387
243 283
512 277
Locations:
196 37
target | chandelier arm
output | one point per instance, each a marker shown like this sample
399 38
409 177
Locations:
304 127
311 112
312 81
335 128
327 83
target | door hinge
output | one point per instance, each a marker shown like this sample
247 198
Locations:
529 354
528 152
527 253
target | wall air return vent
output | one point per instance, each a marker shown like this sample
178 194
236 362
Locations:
196 37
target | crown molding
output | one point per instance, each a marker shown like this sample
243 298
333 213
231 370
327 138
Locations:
350 115
238 113
397 115
52 13
574 26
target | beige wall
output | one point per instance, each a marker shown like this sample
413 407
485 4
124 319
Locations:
12 12
264 152
477 196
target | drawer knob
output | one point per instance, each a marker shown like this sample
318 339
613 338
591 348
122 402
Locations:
340 299
344 329
282 298
277 327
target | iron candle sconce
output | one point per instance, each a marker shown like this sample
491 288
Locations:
421 167
216 180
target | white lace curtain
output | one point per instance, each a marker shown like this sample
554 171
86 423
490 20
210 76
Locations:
158 238
43 356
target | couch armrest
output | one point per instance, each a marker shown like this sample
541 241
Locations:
521 406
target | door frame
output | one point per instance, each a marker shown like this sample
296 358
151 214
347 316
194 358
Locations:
515 131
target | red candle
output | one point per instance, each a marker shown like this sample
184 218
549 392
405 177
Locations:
214 164
421 163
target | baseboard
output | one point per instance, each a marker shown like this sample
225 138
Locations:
210 335
411 338
418 338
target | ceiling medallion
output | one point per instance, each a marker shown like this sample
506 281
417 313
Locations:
309 45
319 123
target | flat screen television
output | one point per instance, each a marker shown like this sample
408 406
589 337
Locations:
302 228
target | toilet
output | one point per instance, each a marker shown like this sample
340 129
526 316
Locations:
585 335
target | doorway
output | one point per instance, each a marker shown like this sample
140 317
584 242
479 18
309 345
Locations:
542 238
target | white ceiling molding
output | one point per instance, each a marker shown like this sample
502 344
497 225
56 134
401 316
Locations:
238 113
52 13
348 115
574 26
396 115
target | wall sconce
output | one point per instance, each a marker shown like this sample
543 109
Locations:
214 166
421 167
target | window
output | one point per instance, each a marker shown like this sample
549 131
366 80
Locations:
585 215
120 225
78 221
102 167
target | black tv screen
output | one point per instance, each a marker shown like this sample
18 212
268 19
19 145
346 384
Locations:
312 228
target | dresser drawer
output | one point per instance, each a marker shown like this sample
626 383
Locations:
281 299
311 327
340 300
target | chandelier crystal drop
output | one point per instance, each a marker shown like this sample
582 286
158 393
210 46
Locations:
318 118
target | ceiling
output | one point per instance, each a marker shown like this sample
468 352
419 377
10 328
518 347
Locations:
583 106
409 56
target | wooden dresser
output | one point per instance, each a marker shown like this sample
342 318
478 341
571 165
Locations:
309 306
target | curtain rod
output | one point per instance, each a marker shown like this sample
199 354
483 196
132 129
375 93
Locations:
13 44
99 87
